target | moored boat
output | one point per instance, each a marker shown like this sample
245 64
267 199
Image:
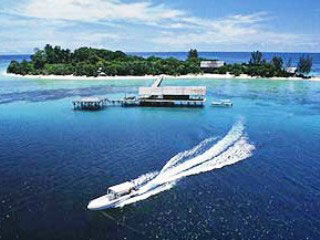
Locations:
222 103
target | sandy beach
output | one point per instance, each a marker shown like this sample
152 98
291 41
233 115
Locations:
152 77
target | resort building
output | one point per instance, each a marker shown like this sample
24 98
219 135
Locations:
211 64
292 69
172 96
101 73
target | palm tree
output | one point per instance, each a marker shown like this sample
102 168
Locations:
305 65
256 58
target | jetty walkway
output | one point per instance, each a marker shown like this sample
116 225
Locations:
98 103
155 95
157 82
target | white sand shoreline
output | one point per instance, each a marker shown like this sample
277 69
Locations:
153 77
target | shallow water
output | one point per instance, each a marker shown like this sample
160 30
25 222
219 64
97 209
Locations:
53 160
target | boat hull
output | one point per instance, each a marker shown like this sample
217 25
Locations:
221 105
104 202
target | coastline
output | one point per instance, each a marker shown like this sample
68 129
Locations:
153 77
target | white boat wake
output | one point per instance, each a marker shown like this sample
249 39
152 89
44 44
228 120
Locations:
233 148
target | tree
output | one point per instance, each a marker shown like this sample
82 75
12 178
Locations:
256 58
277 62
25 67
66 55
119 55
193 54
305 64
82 54
39 59
14 67
236 69
49 52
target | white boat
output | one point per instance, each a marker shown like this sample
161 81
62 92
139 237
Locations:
114 195
222 103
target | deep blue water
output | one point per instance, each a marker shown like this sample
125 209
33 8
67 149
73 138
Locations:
53 160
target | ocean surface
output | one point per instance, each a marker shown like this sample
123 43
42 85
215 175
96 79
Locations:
247 172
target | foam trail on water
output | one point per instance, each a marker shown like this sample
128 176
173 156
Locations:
180 156
234 134
234 147
144 178
236 153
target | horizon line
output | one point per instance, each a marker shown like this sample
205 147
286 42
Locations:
130 52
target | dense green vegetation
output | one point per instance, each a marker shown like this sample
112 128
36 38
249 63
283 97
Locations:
304 65
259 67
94 62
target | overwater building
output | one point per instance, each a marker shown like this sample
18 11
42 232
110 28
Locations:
291 69
172 96
155 95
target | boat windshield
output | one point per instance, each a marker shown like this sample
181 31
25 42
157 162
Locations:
111 194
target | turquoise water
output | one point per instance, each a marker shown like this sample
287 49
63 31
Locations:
53 160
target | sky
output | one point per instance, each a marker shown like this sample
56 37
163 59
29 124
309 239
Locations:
161 26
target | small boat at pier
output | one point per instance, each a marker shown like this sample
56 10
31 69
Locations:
222 103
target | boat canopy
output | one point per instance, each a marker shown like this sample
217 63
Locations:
122 188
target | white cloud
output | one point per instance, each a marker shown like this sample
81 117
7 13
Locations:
248 32
116 24
95 10
21 35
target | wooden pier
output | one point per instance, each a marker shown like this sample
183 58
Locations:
89 103
168 96
158 82
96 103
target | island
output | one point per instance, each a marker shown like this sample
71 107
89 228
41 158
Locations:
92 62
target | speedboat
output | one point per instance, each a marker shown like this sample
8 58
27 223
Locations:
222 103
114 195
